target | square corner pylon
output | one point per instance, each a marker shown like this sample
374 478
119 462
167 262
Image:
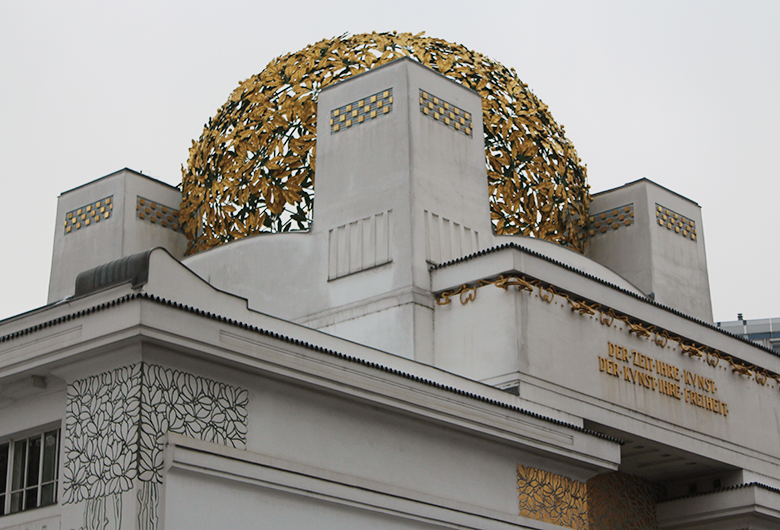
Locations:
653 237
110 218
404 144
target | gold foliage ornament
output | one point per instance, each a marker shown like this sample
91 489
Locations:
552 498
252 170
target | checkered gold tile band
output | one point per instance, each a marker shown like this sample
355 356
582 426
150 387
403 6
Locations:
444 112
89 214
675 222
157 214
611 220
362 110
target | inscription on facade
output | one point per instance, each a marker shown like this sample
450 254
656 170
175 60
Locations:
657 376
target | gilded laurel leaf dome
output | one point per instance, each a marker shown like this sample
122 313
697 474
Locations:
253 168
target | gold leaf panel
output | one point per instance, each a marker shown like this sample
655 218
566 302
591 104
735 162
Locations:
552 498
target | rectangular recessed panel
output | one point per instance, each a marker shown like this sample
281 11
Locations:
446 240
157 214
611 220
675 222
359 245
89 214
446 113
361 111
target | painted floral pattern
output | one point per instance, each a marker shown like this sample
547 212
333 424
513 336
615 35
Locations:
115 422
101 442
173 401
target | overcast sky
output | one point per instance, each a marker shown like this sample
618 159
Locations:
683 93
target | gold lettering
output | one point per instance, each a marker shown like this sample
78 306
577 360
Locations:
647 381
667 370
613 369
643 361
670 389
662 377
610 367
618 352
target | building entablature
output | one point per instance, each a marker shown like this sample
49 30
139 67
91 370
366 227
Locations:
514 318
589 294
218 328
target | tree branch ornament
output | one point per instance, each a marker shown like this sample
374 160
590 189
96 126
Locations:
253 168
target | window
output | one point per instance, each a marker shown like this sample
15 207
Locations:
29 472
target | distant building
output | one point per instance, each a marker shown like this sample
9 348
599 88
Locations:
399 365
764 331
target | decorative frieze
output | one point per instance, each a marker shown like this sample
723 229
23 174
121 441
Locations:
89 214
446 113
607 316
675 222
362 110
155 213
611 220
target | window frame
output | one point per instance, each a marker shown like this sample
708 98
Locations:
7 489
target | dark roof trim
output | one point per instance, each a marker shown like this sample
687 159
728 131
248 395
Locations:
722 490
158 181
162 301
566 266
645 179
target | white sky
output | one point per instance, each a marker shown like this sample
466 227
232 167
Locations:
684 93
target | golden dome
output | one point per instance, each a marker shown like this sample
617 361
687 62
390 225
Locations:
252 169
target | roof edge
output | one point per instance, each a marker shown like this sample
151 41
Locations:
249 327
645 179
758 485
138 173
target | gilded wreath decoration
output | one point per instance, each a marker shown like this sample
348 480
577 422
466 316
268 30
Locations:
253 168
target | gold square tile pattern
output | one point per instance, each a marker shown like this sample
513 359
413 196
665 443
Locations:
445 113
360 111
157 214
89 214
611 220
675 222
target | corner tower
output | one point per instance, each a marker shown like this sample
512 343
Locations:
401 183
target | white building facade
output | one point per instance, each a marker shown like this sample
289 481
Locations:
397 366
